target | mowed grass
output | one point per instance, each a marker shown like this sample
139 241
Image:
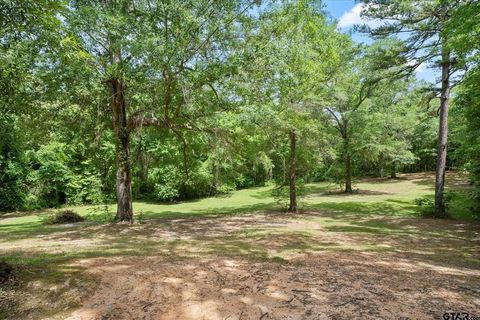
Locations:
390 197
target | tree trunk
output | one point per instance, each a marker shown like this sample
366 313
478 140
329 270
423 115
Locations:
393 171
348 173
348 165
442 136
292 172
124 179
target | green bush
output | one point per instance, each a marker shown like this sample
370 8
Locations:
51 175
12 195
225 188
12 166
427 204
100 214
85 188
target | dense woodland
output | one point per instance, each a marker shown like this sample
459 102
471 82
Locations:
239 159
116 100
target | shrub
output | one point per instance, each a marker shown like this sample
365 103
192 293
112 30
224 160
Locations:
427 204
100 214
281 193
12 166
65 216
225 189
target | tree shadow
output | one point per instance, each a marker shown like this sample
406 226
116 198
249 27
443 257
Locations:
358 192
262 237
367 208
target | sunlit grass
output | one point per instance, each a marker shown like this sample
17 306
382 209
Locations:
374 197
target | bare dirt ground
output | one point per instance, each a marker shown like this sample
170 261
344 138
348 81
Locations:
190 281
327 286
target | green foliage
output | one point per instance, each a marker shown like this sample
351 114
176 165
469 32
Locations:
467 132
165 181
85 188
281 193
12 166
100 214
427 204
51 175
225 83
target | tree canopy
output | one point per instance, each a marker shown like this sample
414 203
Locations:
167 100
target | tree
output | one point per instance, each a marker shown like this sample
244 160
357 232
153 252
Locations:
348 90
464 32
422 27
287 64
28 29
154 58
392 118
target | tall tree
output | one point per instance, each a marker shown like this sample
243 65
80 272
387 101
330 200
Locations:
28 30
393 115
154 57
464 32
421 27
288 60
349 89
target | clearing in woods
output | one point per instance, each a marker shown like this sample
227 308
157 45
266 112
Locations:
367 255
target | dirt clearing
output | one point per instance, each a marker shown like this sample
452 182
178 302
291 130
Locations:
325 286
306 283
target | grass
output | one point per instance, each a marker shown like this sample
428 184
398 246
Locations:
374 197
380 218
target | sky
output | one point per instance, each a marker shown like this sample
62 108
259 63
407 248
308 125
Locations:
347 13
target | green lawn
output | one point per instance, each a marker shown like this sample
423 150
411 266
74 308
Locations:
374 196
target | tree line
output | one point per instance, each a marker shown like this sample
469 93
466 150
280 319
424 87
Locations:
107 100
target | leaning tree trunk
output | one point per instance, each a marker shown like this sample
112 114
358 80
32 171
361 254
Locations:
348 166
124 179
442 136
292 172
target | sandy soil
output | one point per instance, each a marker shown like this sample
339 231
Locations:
325 284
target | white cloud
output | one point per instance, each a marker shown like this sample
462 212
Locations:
352 17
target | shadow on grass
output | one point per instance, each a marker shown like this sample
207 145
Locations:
42 286
384 227
313 189
453 180
445 243
358 192
385 208
336 227
48 270
209 212
308 190
16 231
263 194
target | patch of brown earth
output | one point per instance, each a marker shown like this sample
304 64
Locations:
321 286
